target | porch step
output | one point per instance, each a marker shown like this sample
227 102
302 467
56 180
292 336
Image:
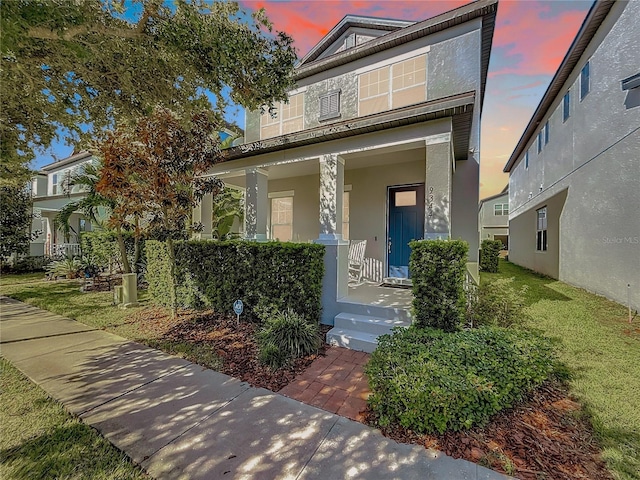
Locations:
367 323
353 340
378 311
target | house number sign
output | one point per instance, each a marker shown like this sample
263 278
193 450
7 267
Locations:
430 203
238 306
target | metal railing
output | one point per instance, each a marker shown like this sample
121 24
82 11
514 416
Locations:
64 250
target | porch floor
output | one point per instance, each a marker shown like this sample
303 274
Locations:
370 293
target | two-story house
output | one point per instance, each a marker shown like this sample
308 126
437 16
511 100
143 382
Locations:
574 176
493 217
51 193
379 141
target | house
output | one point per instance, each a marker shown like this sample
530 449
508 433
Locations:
379 141
51 193
574 176
493 217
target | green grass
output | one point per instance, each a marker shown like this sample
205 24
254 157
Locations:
602 353
17 278
39 439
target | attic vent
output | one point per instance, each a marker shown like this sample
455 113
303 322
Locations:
350 41
329 105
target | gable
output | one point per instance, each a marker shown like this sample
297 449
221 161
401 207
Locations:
351 31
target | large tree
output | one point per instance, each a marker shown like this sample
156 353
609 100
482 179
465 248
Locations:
83 65
15 221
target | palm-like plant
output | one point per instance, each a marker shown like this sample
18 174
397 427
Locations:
227 206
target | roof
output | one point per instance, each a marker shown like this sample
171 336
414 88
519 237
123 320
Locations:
74 158
485 9
505 191
592 22
350 21
459 107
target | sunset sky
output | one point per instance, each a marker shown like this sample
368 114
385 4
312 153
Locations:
530 40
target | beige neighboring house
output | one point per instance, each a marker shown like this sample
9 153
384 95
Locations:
50 194
574 176
379 141
493 217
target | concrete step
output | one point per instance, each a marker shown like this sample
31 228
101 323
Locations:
367 323
351 339
389 313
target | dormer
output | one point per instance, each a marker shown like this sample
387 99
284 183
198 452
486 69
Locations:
350 32
59 173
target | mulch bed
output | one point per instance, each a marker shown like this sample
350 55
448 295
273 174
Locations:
546 437
234 344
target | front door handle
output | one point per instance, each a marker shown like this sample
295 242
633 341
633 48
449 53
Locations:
389 246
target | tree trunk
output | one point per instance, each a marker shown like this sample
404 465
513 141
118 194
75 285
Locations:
123 251
173 294
136 247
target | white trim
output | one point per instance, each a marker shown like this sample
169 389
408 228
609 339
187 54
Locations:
348 188
396 59
436 139
285 193
297 91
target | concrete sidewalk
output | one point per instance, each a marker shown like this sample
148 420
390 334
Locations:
181 421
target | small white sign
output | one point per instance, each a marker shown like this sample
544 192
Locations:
238 307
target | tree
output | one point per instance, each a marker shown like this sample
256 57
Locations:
84 66
15 221
154 171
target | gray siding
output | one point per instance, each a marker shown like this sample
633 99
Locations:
595 158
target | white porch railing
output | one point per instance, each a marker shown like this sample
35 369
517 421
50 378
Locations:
64 249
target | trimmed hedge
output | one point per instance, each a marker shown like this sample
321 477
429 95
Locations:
438 270
269 276
430 381
101 247
489 253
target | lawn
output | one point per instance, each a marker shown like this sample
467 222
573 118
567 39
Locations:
13 279
39 439
602 353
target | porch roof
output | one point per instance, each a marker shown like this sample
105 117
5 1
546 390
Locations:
458 107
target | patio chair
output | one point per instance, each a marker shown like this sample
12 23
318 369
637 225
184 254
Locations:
356 260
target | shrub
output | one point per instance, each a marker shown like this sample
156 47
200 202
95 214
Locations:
437 270
497 303
30 264
276 276
430 381
101 248
489 253
285 337
69 268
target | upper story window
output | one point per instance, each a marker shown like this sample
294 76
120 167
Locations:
284 118
540 141
501 209
54 184
566 106
546 132
585 81
330 105
394 86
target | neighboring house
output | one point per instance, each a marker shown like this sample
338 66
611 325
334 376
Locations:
379 141
574 176
493 217
50 194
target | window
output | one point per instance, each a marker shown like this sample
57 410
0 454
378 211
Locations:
284 118
501 209
526 160
409 79
282 218
540 141
395 86
345 215
585 81
54 184
546 132
566 105
541 229
330 105
374 91
83 225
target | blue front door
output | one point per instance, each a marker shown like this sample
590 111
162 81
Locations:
406 223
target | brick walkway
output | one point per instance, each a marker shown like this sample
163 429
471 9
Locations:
335 383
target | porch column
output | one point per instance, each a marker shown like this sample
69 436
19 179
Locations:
256 206
336 274
331 196
203 214
439 167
